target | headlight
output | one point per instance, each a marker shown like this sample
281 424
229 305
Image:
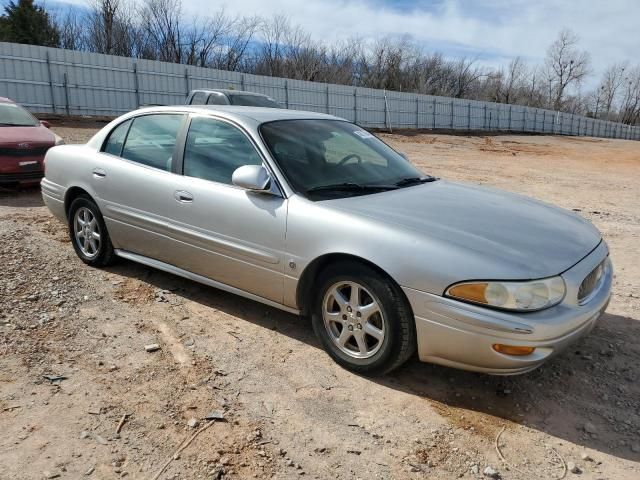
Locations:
520 296
59 140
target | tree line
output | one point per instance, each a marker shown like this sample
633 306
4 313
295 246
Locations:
159 30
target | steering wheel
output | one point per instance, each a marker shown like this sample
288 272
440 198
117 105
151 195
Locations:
349 157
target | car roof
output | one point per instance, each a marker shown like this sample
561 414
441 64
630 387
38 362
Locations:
6 100
248 117
227 91
256 115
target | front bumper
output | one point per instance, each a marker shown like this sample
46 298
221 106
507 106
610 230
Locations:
21 177
461 335
21 169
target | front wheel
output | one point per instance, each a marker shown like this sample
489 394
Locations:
362 319
88 233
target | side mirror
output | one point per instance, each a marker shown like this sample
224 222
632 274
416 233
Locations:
44 123
252 177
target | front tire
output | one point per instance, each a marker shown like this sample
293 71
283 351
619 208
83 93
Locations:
88 233
362 319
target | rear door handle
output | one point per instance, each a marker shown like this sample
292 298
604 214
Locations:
99 173
183 196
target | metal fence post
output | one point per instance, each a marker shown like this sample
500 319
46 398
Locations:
66 92
53 100
286 93
355 105
387 120
484 118
452 113
573 117
136 84
327 98
469 116
417 112
510 113
242 83
186 81
434 113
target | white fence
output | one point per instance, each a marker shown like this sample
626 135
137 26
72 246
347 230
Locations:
51 80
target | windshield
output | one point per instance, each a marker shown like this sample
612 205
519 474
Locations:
12 115
253 101
333 158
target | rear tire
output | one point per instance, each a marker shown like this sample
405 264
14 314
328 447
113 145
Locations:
362 319
88 233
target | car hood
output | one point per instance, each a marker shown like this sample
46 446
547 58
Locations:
522 237
37 135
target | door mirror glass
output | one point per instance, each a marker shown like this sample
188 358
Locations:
252 177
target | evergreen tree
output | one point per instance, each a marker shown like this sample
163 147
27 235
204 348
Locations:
24 22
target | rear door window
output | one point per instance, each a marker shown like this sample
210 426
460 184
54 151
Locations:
152 139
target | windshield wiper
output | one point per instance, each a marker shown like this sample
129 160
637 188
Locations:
350 186
405 182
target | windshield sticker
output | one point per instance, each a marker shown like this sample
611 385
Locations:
363 134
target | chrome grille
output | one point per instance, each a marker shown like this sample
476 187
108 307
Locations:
23 152
591 283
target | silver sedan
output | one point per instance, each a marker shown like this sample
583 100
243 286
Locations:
314 215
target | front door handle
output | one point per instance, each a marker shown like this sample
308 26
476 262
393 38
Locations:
183 196
99 173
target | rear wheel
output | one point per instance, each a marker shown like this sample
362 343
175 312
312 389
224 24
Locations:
362 319
88 233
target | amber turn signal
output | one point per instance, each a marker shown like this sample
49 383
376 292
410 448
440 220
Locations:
513 349
474 292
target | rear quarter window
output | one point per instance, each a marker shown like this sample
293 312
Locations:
116 138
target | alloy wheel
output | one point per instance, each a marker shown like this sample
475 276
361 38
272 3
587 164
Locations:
87 232
354 320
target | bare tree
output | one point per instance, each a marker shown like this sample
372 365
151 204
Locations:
466 73
630 105
610 84
161 21
108 27
72 30
566 64
233 53
513 83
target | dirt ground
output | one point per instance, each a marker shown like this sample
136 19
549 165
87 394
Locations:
289 411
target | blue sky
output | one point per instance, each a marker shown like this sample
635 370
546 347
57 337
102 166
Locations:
494 31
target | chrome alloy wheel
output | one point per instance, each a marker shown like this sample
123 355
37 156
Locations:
87 232
353 318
